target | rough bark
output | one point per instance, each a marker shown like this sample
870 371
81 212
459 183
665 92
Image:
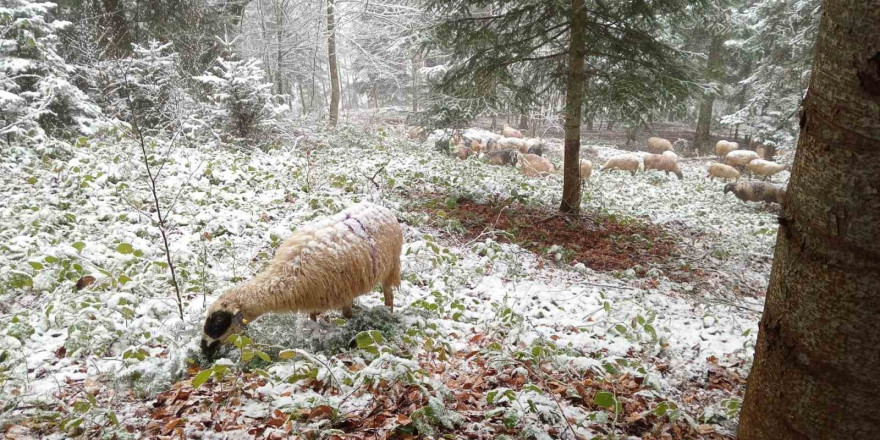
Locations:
714 72
574 96
334 71
116 38
817 357
416 64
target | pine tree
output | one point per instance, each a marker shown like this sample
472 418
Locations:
489 42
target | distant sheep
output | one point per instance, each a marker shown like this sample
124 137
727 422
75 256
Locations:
506 156
586 169
723 147
624 162
477 146
663 162
741 157
722 171
509 131
463 152
658 145
416 133
535 166
766 168
324 265
756 192
511 142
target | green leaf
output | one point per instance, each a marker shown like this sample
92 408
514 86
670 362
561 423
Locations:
605 400
620 328
124 248
32 180
201 378
661 409
123 278
247 355
364 340
537 351
112 416
263 356
92 399
286 354
81 406
35 265
79 246
50 259
607 306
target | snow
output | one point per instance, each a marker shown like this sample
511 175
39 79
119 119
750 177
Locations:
451 290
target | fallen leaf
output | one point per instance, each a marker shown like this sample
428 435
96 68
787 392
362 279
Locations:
321 412
403 420
84 282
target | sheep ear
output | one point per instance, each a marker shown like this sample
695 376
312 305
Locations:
238 318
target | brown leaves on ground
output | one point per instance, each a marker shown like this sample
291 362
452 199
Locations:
599 242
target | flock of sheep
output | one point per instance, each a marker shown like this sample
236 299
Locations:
512 148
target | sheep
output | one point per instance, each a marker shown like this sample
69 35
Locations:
586 169
658 145
442 144
766 168
507 156
535 166
510 142
756 192
508 131
533 146
477 146
663 162
722 171
463 152
741 157
670 154
623 162
723 147
323 265
416 132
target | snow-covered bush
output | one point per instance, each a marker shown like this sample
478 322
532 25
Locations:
36 97
240 100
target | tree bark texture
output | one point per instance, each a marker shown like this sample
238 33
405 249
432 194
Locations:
714 72
334 71
416 65
818 351
574 97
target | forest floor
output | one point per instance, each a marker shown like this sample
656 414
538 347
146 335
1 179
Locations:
635 320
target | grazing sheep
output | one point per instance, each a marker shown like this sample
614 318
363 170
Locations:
663 162
463 152
671 154
722 172
756 192
658 145
741 157
533 165
477 146
507 156
509 131
766 168
586 169
623 162
416 132
323 265
510 142
723 147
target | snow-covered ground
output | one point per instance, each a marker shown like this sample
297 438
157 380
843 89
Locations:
486 339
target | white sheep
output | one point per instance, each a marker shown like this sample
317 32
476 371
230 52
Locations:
663 162
756 192
740 157
323 265
586 169
512 142
658 145
509 131
766 168
722 171
534 165
723 147
623 162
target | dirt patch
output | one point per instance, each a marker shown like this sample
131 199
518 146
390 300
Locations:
601 242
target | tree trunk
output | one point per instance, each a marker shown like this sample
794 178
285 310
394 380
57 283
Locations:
116 38
334 71
523 121
574 96
279 54
714 72
816 360
416 63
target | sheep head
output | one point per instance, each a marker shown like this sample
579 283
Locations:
225 318
729 187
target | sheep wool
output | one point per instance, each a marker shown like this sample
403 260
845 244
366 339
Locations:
535 166
586 169
506 156
765 168
511 142
756 192
623 162
741 157
658 145
509 131
663 162
723 147
323 265
722 171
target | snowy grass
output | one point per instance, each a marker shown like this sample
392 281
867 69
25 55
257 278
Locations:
70 359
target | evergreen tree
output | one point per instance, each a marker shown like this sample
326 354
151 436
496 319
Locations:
488 40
